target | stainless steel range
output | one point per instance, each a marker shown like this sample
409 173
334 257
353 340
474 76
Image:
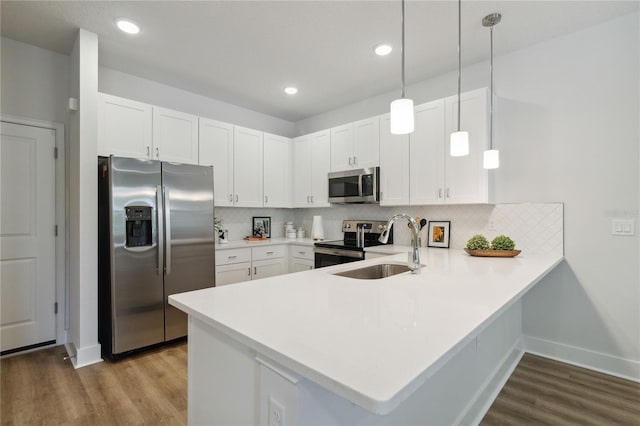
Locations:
358 234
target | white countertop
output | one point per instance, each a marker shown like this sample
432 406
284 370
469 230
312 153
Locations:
372 342
269 242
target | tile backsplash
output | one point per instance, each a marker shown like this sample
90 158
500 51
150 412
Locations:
535 227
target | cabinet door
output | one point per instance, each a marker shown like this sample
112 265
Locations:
466 180
277 177
366 143
247 167
342 148
302 171
124 127
268 268
175 136
230 274
299 265
426 154
216 149
394 166
320 163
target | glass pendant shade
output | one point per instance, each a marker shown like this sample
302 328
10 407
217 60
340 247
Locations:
402 116
491 159
459 144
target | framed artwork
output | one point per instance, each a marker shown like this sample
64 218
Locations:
261 226
439 233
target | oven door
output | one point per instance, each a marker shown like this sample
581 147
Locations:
332 256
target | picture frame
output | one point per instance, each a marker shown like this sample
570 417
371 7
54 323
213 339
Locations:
439 233
261 226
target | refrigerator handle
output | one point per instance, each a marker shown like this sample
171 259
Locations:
167 220
160 228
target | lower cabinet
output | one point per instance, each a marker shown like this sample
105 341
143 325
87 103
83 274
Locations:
300 258
244 264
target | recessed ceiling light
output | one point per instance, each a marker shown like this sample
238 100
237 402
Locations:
382 49
290 90
128 26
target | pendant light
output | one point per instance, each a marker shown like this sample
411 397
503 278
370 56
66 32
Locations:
402 109
491 158
459 142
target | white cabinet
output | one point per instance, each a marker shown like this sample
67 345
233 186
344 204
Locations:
175 136
277 171
466 181
268 261
124 127
233 266
247 167
300 258
355 145
426 154
216 149
133 129
394 166
310 167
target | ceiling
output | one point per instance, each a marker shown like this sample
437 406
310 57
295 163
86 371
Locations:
246 52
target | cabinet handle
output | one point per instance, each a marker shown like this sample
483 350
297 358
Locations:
301 252
231 257
266 199
312 199
231 198
249 271
350 161
148 153
157 152
448 193
255 270
237 198
269 252
308 199
439 192
355 161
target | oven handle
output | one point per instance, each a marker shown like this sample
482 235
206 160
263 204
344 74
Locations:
339 252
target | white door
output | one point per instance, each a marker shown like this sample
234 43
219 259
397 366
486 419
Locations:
216 149
320 164
426 145
366 143
342 148
175 136
394 166
302 172
277 180
247 167
124 127
27 236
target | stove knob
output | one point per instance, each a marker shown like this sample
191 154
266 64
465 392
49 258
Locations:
347 226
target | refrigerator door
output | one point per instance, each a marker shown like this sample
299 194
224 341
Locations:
189 237
137 310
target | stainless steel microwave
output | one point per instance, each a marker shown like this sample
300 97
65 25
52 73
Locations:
355 186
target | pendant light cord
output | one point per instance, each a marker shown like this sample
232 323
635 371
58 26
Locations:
402 53
459 58
491 90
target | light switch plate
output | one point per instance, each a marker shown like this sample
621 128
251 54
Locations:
623 226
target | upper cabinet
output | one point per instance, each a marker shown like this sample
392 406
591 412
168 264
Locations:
124 127
216 149
355 145
277 171
311 158
247 167
175 136
394 166
466 180
128 128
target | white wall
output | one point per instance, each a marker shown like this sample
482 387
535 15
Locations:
34 82
83 203
567 125
128 86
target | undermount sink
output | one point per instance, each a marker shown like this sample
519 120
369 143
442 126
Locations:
375 272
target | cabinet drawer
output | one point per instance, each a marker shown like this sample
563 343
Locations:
228 257
301 252
267 252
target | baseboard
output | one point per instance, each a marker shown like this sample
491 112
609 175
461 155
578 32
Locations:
604 363
81 357
482 401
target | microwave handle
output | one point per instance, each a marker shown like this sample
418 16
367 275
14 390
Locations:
360 185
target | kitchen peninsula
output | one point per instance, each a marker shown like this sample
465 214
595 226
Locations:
317 348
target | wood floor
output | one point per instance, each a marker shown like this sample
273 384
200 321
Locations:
40 388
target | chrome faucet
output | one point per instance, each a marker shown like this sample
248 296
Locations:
414 263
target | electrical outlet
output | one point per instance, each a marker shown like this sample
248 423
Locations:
623 226
276 413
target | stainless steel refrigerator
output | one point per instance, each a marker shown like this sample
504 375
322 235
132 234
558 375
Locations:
155 238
